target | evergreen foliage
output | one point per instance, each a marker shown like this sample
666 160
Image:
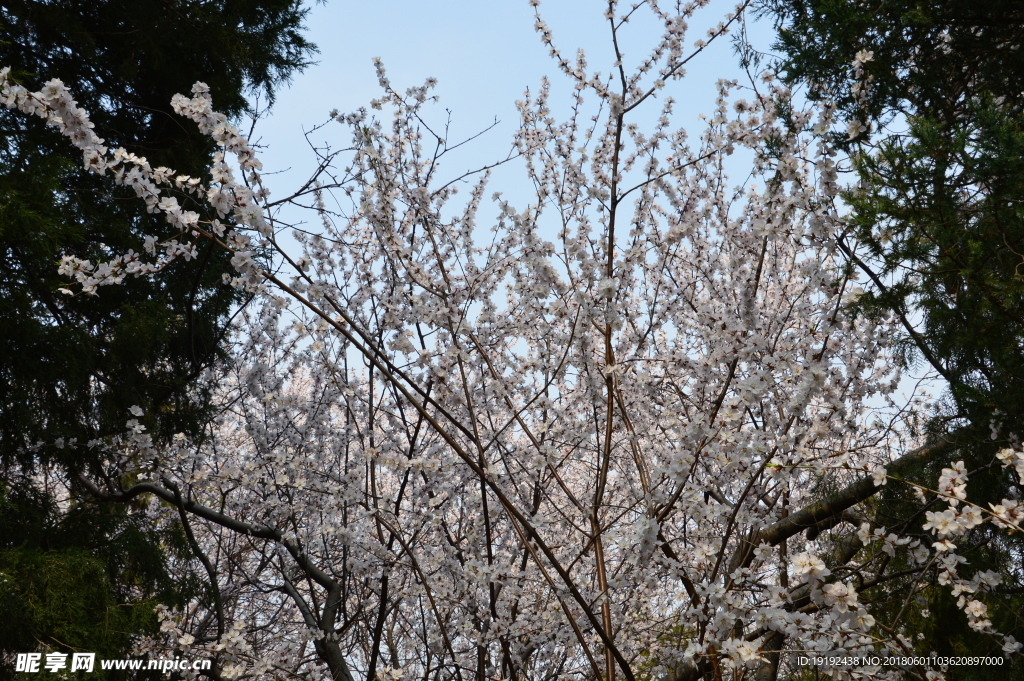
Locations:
80 579
938 219
74 366
71 367
937 142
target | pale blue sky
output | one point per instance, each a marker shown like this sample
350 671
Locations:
483 54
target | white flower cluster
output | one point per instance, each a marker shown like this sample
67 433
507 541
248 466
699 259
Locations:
861 90
227 197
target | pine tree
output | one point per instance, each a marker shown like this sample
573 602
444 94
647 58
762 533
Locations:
938 221
936 133
71 367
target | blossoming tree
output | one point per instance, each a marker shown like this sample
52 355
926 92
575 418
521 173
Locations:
620 432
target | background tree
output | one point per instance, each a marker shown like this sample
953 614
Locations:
938 218
70 367
934 103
